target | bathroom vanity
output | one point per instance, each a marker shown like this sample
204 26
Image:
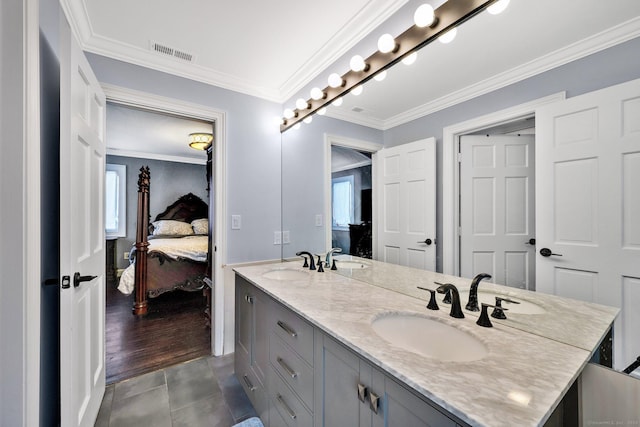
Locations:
334 349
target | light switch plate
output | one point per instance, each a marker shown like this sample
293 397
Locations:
285 237
277 238
236 222
319 220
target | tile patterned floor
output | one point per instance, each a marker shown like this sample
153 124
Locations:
202 392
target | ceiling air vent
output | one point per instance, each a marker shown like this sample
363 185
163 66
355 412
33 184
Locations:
169 51
357 109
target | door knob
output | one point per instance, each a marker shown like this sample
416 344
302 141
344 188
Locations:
77 279
426 241
546 252
531 242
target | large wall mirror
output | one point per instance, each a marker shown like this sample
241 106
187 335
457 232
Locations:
495 64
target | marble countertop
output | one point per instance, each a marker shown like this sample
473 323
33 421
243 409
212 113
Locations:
520 381
584 324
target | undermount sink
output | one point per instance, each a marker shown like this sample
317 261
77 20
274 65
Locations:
351 265
285 274
525 307
429 337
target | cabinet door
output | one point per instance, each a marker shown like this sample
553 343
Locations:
261 310
244 320
338 374
403 408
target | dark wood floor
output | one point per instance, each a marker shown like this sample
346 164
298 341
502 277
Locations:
174 331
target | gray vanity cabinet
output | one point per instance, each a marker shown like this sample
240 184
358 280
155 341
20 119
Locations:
350 391
251 343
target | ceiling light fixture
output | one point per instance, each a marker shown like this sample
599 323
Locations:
200 140
392 50
380 76
410 59
317 93
323 111
356 91
308 119
302 104
448 36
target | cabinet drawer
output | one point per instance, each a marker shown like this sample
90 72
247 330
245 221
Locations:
253 387
295 371
294 330
288 405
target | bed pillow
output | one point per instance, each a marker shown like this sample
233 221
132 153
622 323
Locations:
200 226
169 227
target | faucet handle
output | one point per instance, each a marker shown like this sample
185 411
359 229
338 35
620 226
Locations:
306 263
320 262
333 264
484 320
447 294
498 311
433 304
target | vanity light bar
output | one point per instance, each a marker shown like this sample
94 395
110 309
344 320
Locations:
449 15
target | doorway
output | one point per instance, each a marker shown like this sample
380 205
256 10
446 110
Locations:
497 203
349 166
175 328
351 202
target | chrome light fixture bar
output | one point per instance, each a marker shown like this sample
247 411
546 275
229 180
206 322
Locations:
448 16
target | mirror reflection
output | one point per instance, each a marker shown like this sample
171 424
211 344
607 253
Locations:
514 101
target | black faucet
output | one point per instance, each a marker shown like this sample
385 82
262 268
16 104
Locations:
433 304
312 263
498 311
320 269
472 305
484 320
456 310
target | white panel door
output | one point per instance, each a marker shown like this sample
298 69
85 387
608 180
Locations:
82 239
588 205
406 190
497 208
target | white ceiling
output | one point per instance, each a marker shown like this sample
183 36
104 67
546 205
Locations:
276 49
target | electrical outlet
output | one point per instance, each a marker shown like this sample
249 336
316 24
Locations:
319 220
277 238
126 255
285 238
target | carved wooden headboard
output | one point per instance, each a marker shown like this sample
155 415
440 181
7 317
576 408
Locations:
186 209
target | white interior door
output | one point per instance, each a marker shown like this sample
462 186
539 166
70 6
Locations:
588 205
497 208
82 240
406 190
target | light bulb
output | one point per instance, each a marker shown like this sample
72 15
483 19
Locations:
337 102
408 60
386 43
302 104
357 63
498 7
308 119
448 36
357 90
322 111
380 76
316 94
296 126
335 80
278 121
288 113
424 16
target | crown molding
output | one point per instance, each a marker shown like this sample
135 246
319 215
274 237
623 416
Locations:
598 42
152 156
369 18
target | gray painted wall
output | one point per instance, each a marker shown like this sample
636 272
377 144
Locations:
303 172
169 181
253 152
12 223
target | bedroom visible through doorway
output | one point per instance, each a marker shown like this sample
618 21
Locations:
176 327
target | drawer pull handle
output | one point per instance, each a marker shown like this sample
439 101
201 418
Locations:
374 402
362 392
287 369
249 299
247 381
286 407
287 329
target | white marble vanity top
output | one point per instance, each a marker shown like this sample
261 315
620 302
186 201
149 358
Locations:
519 383
583 324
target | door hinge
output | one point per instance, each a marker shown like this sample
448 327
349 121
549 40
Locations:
459 157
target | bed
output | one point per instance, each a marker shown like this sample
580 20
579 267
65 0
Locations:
171 253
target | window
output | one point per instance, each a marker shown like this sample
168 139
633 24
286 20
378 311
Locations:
342 202
115 200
